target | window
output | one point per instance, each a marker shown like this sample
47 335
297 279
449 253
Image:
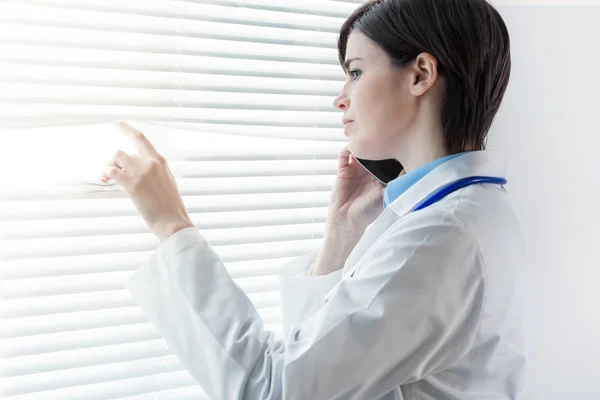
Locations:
236 94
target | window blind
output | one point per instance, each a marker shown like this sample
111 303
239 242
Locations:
238 97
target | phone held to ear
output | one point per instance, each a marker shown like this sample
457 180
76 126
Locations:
383 170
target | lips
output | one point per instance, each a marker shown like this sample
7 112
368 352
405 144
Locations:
346 121
346 129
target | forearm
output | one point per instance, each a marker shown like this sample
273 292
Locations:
336 248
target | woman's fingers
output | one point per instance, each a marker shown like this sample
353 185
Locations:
118 166
122 160
114 173
142 144
345 157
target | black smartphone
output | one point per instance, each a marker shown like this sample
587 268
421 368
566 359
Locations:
383 170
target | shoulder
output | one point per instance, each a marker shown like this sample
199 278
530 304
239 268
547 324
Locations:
477 213
472 232
431 242
435 225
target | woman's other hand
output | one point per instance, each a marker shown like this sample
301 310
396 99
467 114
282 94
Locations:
147 179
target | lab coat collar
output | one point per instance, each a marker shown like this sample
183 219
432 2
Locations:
475 163
401 184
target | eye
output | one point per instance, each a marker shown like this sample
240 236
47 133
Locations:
353 72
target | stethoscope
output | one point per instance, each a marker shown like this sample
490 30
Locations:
453 187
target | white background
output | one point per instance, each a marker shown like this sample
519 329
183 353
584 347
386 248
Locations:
549 125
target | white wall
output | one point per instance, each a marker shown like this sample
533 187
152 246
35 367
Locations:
549 122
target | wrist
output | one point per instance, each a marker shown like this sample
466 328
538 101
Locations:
338 243
330 258
167 231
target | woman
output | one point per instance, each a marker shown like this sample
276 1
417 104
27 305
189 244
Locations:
405 300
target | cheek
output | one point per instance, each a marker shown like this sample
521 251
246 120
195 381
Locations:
379 90
365 97
392 110
375 107
364 104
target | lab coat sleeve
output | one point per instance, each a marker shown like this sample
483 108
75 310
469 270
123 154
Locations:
303 294
413 309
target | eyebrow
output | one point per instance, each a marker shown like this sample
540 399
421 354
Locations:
347 62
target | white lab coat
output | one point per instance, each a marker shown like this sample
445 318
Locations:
433 311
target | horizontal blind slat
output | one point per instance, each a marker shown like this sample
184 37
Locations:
284 15
257 168
92 264
84 338
89 375
38 363
102 77
123 207
167 26
118 388
212 222
13 115
187 187
314 134
318 7
80 245
91 95
183 393
58 304
32 326
122 60
106 281
80 38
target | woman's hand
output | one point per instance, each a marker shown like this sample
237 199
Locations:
356 201
356 198
147 179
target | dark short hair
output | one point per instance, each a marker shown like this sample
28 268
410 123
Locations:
470 42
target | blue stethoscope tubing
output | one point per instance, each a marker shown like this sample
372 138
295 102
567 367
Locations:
454 186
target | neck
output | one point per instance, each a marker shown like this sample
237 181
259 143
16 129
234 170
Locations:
420 150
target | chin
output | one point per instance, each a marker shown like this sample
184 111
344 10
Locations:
363 150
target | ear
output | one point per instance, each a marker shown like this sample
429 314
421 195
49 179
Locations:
424 72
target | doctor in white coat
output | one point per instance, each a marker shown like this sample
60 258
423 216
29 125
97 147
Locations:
417 291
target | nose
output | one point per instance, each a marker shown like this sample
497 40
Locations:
341 102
